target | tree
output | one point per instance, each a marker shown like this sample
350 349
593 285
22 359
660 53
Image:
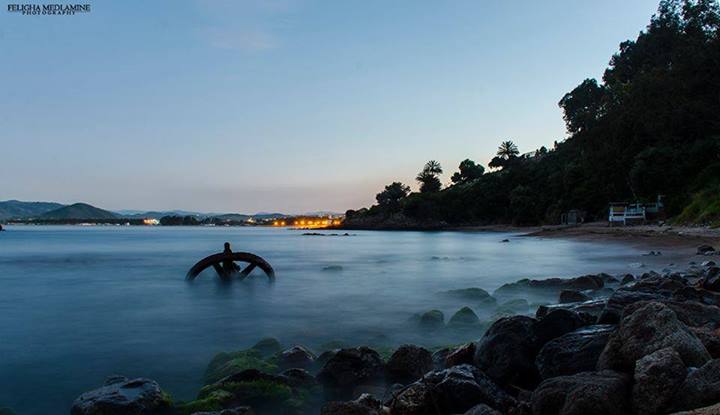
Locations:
428 177
468 171
392 195
582 106
507 150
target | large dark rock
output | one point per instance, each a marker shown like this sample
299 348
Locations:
588 393
268 346
619 300
711 279
555 324
350 368
408 363
121 396
690 313
648 329
700 388
657 378
572 296
481 409
710 338
704 249
471 294
364 405
296 357
589 310
699 295
506 353
449 391
550 285
574 352
461 355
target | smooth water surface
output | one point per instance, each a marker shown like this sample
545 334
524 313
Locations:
81 303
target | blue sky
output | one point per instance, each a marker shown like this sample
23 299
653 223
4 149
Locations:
284 105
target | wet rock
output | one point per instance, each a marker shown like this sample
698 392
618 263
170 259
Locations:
708 410
572 296
627 279
555 324
366 404
711 279
225 364
439 357
349 368
700 388
657 378
648 329
481 409
506 353
299 377
469 294
574 352
589 310
268 346
704 249
588 393
519 305
333 268
461 355
408 363
296 357
123 397
619 300
432 320
550 285
707 264
464 317
697 294
453 390
710 338
690 313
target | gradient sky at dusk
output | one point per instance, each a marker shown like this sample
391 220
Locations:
284 105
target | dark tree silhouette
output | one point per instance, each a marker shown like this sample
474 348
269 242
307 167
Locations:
429 177
392 195
468 171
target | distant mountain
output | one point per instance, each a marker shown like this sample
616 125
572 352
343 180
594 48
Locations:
155 214
15 209
232 217
267 215
79 211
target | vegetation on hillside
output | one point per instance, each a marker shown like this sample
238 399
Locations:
650 127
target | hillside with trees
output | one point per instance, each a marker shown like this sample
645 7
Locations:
650 127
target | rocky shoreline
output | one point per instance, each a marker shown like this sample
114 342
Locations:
606 344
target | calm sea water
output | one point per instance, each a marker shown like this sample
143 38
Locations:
80 303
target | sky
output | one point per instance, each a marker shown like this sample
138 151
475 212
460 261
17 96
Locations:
284 105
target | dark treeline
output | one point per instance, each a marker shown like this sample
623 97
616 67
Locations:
650 127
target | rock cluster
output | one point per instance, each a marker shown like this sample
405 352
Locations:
644 344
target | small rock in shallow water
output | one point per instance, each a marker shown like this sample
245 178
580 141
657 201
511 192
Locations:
130 397
296 357
464 317
333 268
572 296
432 320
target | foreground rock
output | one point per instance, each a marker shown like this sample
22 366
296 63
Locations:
588 393
450 391
364 405
348 369
700 388
657 378
240 410
121 396
408 363
648 329
574 352
506 353
296 357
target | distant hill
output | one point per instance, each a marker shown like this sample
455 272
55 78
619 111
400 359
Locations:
79 211
16 209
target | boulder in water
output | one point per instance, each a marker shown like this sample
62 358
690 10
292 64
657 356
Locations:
124 397
464 317
350 368
587 393
408 363
574 352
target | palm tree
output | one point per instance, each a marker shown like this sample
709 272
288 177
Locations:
433 167
507 150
